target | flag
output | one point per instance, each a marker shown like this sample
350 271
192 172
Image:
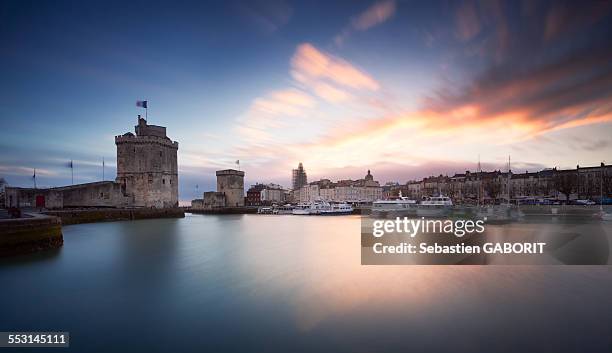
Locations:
34 176
237 162
142 104
70 164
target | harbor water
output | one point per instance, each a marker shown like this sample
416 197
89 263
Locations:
246 283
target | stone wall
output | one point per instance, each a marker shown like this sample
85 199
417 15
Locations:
147 166
231 183
98 194
24 235
26 198
213 200
110 215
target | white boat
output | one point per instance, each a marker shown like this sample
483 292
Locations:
435 206
301 209
322 208
286 209
264 210
337 209
401 205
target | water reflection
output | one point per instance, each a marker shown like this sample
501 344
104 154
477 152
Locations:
290 284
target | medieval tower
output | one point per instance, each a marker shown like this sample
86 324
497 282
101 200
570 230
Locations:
147 166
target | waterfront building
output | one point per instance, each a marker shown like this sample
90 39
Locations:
273 193
298 177
253 197
495 186
353 191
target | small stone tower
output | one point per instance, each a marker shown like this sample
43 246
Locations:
231 183
147 166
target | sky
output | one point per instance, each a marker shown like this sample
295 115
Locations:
405 89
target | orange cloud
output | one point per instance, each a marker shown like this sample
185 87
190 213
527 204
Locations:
311 65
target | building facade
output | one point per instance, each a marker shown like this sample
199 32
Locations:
364 190
298 177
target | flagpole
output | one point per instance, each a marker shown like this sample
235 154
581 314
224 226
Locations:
72 171
102 168
34 178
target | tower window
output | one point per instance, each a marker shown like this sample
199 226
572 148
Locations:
160 153
163 181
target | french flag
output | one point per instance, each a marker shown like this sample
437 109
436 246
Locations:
142 104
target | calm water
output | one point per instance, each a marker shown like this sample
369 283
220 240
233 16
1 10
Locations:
289 284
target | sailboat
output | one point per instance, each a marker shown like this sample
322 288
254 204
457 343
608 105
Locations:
602 214
500 213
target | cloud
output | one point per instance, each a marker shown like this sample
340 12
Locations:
374 15
25 171
331 93
311 65
467 21
274 111
516 89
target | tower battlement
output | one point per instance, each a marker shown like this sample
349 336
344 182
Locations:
147 166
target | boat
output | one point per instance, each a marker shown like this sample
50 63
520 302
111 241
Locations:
285 209
337 209
301 209
503 213
435 206
400 206
264 210
322 208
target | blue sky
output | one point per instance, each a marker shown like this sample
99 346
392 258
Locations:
403 88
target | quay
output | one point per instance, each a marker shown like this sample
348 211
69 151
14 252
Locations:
113 214
29 233
222 210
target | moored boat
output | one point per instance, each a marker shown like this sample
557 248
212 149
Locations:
435 206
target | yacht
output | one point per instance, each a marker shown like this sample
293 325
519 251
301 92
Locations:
337 209
322 208
264 210
301 209
286 209
435 206
402 205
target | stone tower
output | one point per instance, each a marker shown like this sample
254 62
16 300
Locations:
298 177
231 183
147 166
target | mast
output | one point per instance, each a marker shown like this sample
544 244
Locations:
508 186
478 181
601 187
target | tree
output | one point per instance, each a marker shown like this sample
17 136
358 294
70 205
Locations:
566 183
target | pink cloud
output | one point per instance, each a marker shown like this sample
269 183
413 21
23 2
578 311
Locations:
310 64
